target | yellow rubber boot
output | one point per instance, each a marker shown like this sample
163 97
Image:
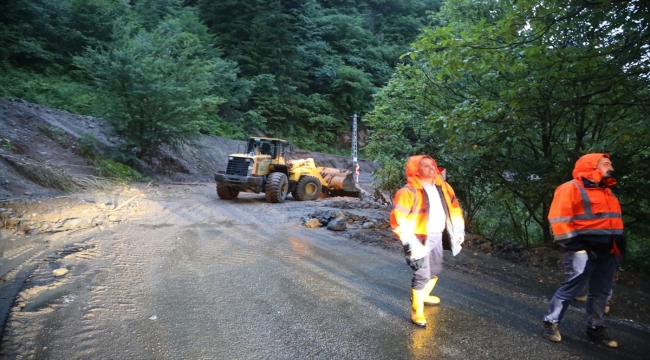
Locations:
417 306
428 299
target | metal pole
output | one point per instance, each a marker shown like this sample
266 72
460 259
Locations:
354 145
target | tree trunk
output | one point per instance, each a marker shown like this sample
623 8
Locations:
546 227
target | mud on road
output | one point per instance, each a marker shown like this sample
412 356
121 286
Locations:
109 250
92 237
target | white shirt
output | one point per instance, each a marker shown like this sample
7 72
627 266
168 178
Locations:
436 223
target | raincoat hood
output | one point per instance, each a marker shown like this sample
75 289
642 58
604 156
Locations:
587 168
412 166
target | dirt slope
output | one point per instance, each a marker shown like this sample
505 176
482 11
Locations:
23 129
50 135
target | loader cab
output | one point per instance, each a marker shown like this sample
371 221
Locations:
277 149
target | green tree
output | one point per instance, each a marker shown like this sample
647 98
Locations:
315 62
37 41
153 12
519 90
41 34
162 85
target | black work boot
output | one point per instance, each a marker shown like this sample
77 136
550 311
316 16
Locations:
599 335
551 333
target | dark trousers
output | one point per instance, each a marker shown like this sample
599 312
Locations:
433 263
580 271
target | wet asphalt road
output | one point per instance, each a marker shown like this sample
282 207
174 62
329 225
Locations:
202 278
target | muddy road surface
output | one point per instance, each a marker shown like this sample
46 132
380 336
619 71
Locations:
190 276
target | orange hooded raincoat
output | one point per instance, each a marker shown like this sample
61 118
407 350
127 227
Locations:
409 216
585 213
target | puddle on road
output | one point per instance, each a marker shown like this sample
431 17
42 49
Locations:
228 223
154 226
216 224
49 296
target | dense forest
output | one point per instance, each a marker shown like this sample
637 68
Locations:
504 94
162 70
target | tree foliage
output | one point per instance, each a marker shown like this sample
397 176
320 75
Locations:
313 64
164 85
325 58
41 34
513 93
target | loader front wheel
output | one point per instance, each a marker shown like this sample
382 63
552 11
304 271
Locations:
308 188
226 192
277 187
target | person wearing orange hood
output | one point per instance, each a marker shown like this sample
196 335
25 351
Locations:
427 218
586 220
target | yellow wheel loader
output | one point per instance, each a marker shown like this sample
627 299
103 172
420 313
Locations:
265 167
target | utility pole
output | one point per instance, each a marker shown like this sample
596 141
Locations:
354 146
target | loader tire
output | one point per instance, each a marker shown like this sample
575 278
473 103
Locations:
225 192
308 188
277 186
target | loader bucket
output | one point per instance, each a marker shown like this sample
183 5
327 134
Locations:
340 182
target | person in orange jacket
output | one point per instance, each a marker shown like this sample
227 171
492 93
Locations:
586 220
427 218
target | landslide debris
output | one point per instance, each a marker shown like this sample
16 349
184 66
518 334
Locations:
32 216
